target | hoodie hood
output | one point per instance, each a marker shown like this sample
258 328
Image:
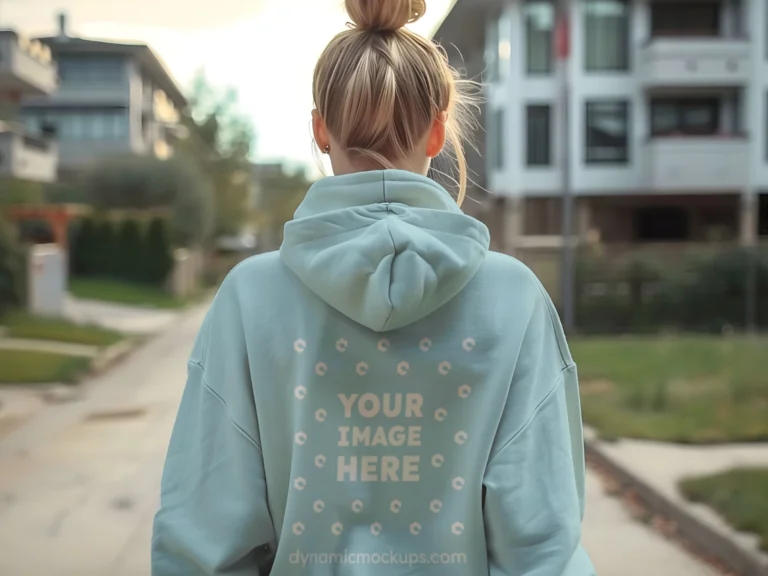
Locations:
384 248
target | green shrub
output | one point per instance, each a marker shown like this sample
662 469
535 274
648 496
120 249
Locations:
12 268
94 249
158 256
83 251
129 256
701 293
105 250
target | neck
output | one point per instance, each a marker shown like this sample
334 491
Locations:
343 164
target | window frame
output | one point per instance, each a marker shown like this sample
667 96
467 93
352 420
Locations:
529 70
624 66
679 104
625 106
528 160
496 140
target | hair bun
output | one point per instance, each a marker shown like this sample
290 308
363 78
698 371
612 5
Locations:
384 15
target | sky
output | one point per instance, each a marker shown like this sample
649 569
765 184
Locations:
266 49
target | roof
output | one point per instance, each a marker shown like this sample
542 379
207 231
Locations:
464 22
447 13
144 54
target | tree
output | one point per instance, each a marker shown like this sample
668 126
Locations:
221 140
281 192
145 183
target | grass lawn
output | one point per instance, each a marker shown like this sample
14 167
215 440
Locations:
739 496
28 367
21 325
681 389
123 293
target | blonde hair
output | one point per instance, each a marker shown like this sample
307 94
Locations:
379 87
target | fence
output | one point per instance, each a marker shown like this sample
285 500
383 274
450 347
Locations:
667 287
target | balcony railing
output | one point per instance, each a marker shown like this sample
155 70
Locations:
26 66
696 163
695 61
26 157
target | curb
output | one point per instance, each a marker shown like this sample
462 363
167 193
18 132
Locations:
703 537
112 355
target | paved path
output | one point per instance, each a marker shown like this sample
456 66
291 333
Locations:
125 319
78 485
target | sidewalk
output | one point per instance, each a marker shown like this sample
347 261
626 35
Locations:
79 482
656 468
126 319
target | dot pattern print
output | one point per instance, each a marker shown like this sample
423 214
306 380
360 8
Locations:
362 368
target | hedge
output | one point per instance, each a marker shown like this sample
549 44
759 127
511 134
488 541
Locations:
701 293
128 250
12 268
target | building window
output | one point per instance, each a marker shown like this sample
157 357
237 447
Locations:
496 140
539 23
91 69
686 116
685 18
492 64
607 132
606 31
538 141
81 125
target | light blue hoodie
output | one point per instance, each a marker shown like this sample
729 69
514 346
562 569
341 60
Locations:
383 397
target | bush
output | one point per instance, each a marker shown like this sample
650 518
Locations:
12 268
703 293
130 256
142 183
128 252
83 253
94 252
158 259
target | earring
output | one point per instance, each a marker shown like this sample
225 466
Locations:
327 150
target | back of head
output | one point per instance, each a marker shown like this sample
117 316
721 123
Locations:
379 87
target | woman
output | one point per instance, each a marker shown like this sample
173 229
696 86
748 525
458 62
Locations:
384 395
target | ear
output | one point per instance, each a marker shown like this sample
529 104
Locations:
436 140
319 131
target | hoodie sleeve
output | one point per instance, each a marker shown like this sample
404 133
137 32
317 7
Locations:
213 515
534 480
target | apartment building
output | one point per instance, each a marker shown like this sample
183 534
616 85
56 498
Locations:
112 99
26 69
667 123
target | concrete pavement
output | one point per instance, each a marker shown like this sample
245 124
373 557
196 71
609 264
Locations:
655 470
79 483
125 319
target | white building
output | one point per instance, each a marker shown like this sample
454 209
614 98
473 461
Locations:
26 69
112 99
668 117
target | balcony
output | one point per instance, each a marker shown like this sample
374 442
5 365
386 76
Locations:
682 61
692 163
26 157
26 68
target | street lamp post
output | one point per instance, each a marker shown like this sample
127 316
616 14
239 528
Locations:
562 51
